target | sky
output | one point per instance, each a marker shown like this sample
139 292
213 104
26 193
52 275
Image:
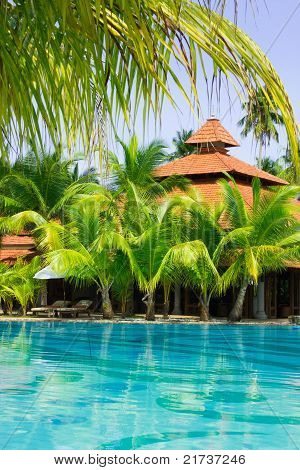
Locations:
274 25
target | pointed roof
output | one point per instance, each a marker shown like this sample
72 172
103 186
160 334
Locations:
212 158
212 132
214 162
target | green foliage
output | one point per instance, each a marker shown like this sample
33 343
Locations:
18 284
192 259
91 249
135 231
181 148
39 183
135 176
260 238
274 167
62 60
281 167
135 183
262 119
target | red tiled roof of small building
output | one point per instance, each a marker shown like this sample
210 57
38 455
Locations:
22 239
212 132
10 256
13 247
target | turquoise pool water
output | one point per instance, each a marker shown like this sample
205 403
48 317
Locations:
128 386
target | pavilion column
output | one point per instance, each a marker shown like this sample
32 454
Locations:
254 305
177 300
260 314
43 293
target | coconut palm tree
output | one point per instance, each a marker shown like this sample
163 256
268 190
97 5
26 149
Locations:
262 120
135 176
91 249
194 256
281 167
7 277
64 60
274 167
288 170
181 148
135 184
17 283
39 184
149 249
260 239
122 287
25 289
177 245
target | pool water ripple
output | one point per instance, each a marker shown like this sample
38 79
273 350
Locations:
128 386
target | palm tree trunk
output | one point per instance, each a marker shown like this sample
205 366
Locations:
123 305
9 306
166 309
204 309
24 310
237 310
148 299
259 163
4 307
166 301
108 313
129 301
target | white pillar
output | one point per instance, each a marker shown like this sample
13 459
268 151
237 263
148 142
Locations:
177 300
260 314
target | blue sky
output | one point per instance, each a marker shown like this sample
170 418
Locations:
276 30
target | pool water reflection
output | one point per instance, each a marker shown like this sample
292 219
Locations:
73 385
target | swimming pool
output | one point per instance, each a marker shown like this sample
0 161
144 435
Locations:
67 385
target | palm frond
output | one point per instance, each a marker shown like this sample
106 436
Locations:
64 60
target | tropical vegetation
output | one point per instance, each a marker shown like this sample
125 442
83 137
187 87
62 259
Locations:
259 239
181 149
17 285
69 67
282 167
137 230
68 70
262 120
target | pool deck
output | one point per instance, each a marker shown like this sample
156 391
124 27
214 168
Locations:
175 319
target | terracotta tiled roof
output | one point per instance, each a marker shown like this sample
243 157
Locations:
212 193
12 240
212 163
212 132
9 256
13 247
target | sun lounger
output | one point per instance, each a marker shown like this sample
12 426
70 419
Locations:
50 309
82 306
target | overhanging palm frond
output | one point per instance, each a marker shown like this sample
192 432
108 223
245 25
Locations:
110 55
21 221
